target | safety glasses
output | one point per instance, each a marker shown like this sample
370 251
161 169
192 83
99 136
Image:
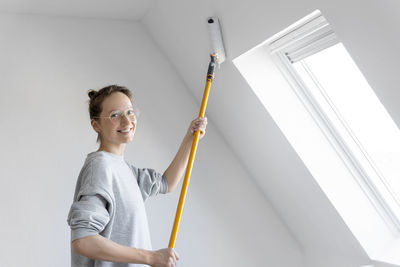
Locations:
116 116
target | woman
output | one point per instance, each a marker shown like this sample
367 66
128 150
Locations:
107 218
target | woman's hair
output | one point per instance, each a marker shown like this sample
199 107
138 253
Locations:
96 99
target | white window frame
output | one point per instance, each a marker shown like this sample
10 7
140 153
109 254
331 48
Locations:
307 37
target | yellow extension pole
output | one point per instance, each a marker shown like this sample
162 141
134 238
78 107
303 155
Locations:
174 233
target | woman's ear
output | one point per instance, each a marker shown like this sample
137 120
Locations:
95 125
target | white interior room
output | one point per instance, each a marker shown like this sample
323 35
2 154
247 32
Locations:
253 199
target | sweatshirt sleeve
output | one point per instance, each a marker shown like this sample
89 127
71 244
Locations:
92 206
150 182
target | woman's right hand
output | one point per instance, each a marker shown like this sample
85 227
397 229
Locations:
166 257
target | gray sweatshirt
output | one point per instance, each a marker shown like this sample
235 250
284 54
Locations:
109 200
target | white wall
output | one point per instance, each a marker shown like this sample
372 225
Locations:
47 64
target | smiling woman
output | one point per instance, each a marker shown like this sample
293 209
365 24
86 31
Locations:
107 218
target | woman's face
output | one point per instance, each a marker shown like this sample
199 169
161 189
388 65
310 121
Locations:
118 123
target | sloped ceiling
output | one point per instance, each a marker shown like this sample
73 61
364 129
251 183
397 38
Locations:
369 30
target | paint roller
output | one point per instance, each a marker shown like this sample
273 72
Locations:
216 42
218 56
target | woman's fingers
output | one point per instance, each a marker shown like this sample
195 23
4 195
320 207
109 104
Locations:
166 257
175 257
199 124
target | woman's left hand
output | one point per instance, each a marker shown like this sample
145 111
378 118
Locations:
197 124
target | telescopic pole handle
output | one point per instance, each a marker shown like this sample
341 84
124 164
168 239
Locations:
181 203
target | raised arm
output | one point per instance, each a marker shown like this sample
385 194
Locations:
175 170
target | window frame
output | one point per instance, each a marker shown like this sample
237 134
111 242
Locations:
307 37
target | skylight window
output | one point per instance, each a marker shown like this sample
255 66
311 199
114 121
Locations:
359 119
341 101
311 87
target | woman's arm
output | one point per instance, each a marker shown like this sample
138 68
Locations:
100 248
175 170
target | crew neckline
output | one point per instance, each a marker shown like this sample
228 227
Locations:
109 154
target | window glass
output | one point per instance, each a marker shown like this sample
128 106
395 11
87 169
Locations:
344 95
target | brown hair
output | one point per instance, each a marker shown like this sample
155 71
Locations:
97 98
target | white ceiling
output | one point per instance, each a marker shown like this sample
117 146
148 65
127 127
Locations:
103 9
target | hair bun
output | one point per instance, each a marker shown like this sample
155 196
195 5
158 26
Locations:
92 93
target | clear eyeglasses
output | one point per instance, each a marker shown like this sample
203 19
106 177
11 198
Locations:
117 115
